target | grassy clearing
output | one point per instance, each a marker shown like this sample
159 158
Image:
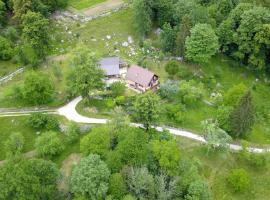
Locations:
215 167
9 125
82 4
7 67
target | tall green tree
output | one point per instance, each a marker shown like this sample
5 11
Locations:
29 179
142 16
90 178
132 147
215 137
167 38
117 186
86 76
146 108
2 13
183 32
202 44
6 50
37 88
243 116
140 182
96 142
198 190
168 155
36 32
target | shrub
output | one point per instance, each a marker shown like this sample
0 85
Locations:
14 144
175 112
43 121
117 89
120 100
223 117
234 94
48 144
37 88
169 89
110 103
172 67
6 50
184 73
239 180
190 92
73 132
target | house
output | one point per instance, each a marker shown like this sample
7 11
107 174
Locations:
111 66
141 79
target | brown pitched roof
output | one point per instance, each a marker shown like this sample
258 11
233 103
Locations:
139 75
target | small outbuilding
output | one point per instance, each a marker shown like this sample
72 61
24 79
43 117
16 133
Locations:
141 79
111 66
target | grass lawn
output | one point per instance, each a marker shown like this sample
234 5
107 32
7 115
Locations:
9 125
7 67
82 4
215 167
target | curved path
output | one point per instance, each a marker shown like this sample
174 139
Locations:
69 111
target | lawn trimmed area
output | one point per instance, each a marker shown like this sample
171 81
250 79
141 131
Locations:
82 4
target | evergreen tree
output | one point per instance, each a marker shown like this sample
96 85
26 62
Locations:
242 118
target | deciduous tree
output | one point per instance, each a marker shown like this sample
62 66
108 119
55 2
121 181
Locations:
146 108
90 178
202 44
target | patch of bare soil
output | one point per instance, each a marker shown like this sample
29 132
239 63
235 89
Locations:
66 169
103 7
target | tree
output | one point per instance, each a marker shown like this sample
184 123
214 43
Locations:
90 178
6 51
168 155
37 88
96 142
215 136
86 74
14 144
146 108
167 38
183 32
172 67
132 147
198 190
36 33
117 186
117 89
140 182
239 180
29 179
252 23
21 7
243 116
142 16
48 144
2 14
165 187
239 35
202 44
